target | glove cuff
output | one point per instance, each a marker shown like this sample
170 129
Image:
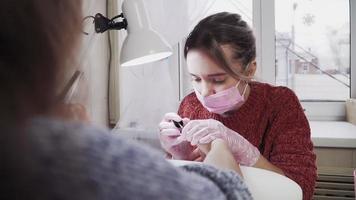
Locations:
249 158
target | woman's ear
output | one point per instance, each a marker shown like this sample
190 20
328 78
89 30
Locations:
251 70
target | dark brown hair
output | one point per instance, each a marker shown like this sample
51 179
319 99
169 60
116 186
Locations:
223 29
37 38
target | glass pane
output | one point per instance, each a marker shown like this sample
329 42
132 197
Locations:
313 48
198 9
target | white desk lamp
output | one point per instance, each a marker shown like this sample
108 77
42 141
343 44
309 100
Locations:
142 44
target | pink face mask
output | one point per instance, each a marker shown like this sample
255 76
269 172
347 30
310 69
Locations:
223 101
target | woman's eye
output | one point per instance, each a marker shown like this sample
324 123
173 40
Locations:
196 79
219 81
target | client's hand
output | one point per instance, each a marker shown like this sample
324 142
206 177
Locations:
219 155
206 131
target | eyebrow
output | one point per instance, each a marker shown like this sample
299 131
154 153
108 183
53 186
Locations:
211 75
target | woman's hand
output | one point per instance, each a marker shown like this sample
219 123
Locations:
199 132
168 134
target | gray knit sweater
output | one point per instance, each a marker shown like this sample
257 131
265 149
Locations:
77 161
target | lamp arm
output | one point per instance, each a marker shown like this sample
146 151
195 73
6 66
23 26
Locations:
119 25
103 23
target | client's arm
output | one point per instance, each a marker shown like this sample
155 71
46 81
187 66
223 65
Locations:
219 156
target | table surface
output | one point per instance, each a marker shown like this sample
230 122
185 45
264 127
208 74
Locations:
263 184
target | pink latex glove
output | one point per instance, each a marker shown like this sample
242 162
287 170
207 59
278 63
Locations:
205 131
168 138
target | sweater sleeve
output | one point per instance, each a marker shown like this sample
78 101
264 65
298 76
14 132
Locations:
228 182
292 146
144 174
83 162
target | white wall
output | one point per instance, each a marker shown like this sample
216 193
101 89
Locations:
93 60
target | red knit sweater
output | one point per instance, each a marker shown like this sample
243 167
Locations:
273 120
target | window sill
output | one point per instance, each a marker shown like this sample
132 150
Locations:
335 134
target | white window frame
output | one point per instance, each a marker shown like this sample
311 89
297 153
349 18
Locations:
264 24
353 47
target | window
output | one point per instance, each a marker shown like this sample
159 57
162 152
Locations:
320 51
301 45
291 50
313 42
198 9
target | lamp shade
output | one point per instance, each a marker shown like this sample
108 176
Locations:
142 44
